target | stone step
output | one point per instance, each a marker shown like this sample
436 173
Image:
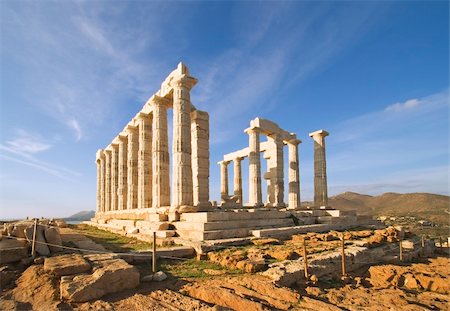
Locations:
213 235
234 215
337 220
234 224
274 232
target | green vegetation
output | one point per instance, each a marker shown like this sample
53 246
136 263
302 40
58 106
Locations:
192 268
111 241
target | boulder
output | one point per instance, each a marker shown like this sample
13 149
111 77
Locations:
113 276
53 237
12 250
268 241
157 277
384 276
60 223
133 231
41 243
19 229
250 266
66 265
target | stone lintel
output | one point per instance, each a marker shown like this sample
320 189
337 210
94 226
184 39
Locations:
322 133
270 128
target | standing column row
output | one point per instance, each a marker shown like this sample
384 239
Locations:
145 161
320 169
254 189
200 158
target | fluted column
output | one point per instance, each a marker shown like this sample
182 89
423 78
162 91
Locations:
145 161
320 169
200 158
254 189
237 184
107 180
123 173
132 178
99 180
224 180
114 175
278 176
103 179
181 145
160 154
294 175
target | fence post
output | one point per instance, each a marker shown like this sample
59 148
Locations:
305 259
33 245
343 254
401 251
423 241
440 242
154 253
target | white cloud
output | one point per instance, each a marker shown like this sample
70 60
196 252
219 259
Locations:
398 107
26 143
73 124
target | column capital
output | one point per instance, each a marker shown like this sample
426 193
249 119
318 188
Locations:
223 162
252 130
99 154
158 100
143 116
294 142
319 133
183 81
131 129
238 159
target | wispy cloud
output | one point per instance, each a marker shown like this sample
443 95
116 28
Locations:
73 124
25 147
398 107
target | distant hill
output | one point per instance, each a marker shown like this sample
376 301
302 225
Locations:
429 206
81 216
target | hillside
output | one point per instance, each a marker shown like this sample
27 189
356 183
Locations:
422 205
81 216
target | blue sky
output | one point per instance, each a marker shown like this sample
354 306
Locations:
373 74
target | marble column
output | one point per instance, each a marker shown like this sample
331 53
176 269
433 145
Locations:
237 184
122 188
99 180
103 179
107 180
160 154
254 190
277 174
294 175
132 157
200 158
181 144
224 180
114 175
145 161
320 169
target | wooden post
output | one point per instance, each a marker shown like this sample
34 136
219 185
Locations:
343 254
440 242
423 241
33 245
305 260
401 251
154 253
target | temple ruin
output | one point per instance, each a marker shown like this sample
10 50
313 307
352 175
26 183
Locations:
134 195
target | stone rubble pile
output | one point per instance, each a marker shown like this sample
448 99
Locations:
16 239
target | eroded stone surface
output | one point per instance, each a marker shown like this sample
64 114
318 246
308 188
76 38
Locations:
66 265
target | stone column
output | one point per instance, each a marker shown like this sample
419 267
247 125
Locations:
160 154
132 178
123 173
114 175
254 189
200 158
278 172
294 176
107 180
224 180
145 161
103 180
320 169
181 144
99 180
237 184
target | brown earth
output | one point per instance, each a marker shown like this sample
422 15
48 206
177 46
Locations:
417 286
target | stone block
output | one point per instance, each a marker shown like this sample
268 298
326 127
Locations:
234 224
287 231
12 250
66 265
115 276
52 236
233 215
41 246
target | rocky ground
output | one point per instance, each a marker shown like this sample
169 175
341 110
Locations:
229 280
